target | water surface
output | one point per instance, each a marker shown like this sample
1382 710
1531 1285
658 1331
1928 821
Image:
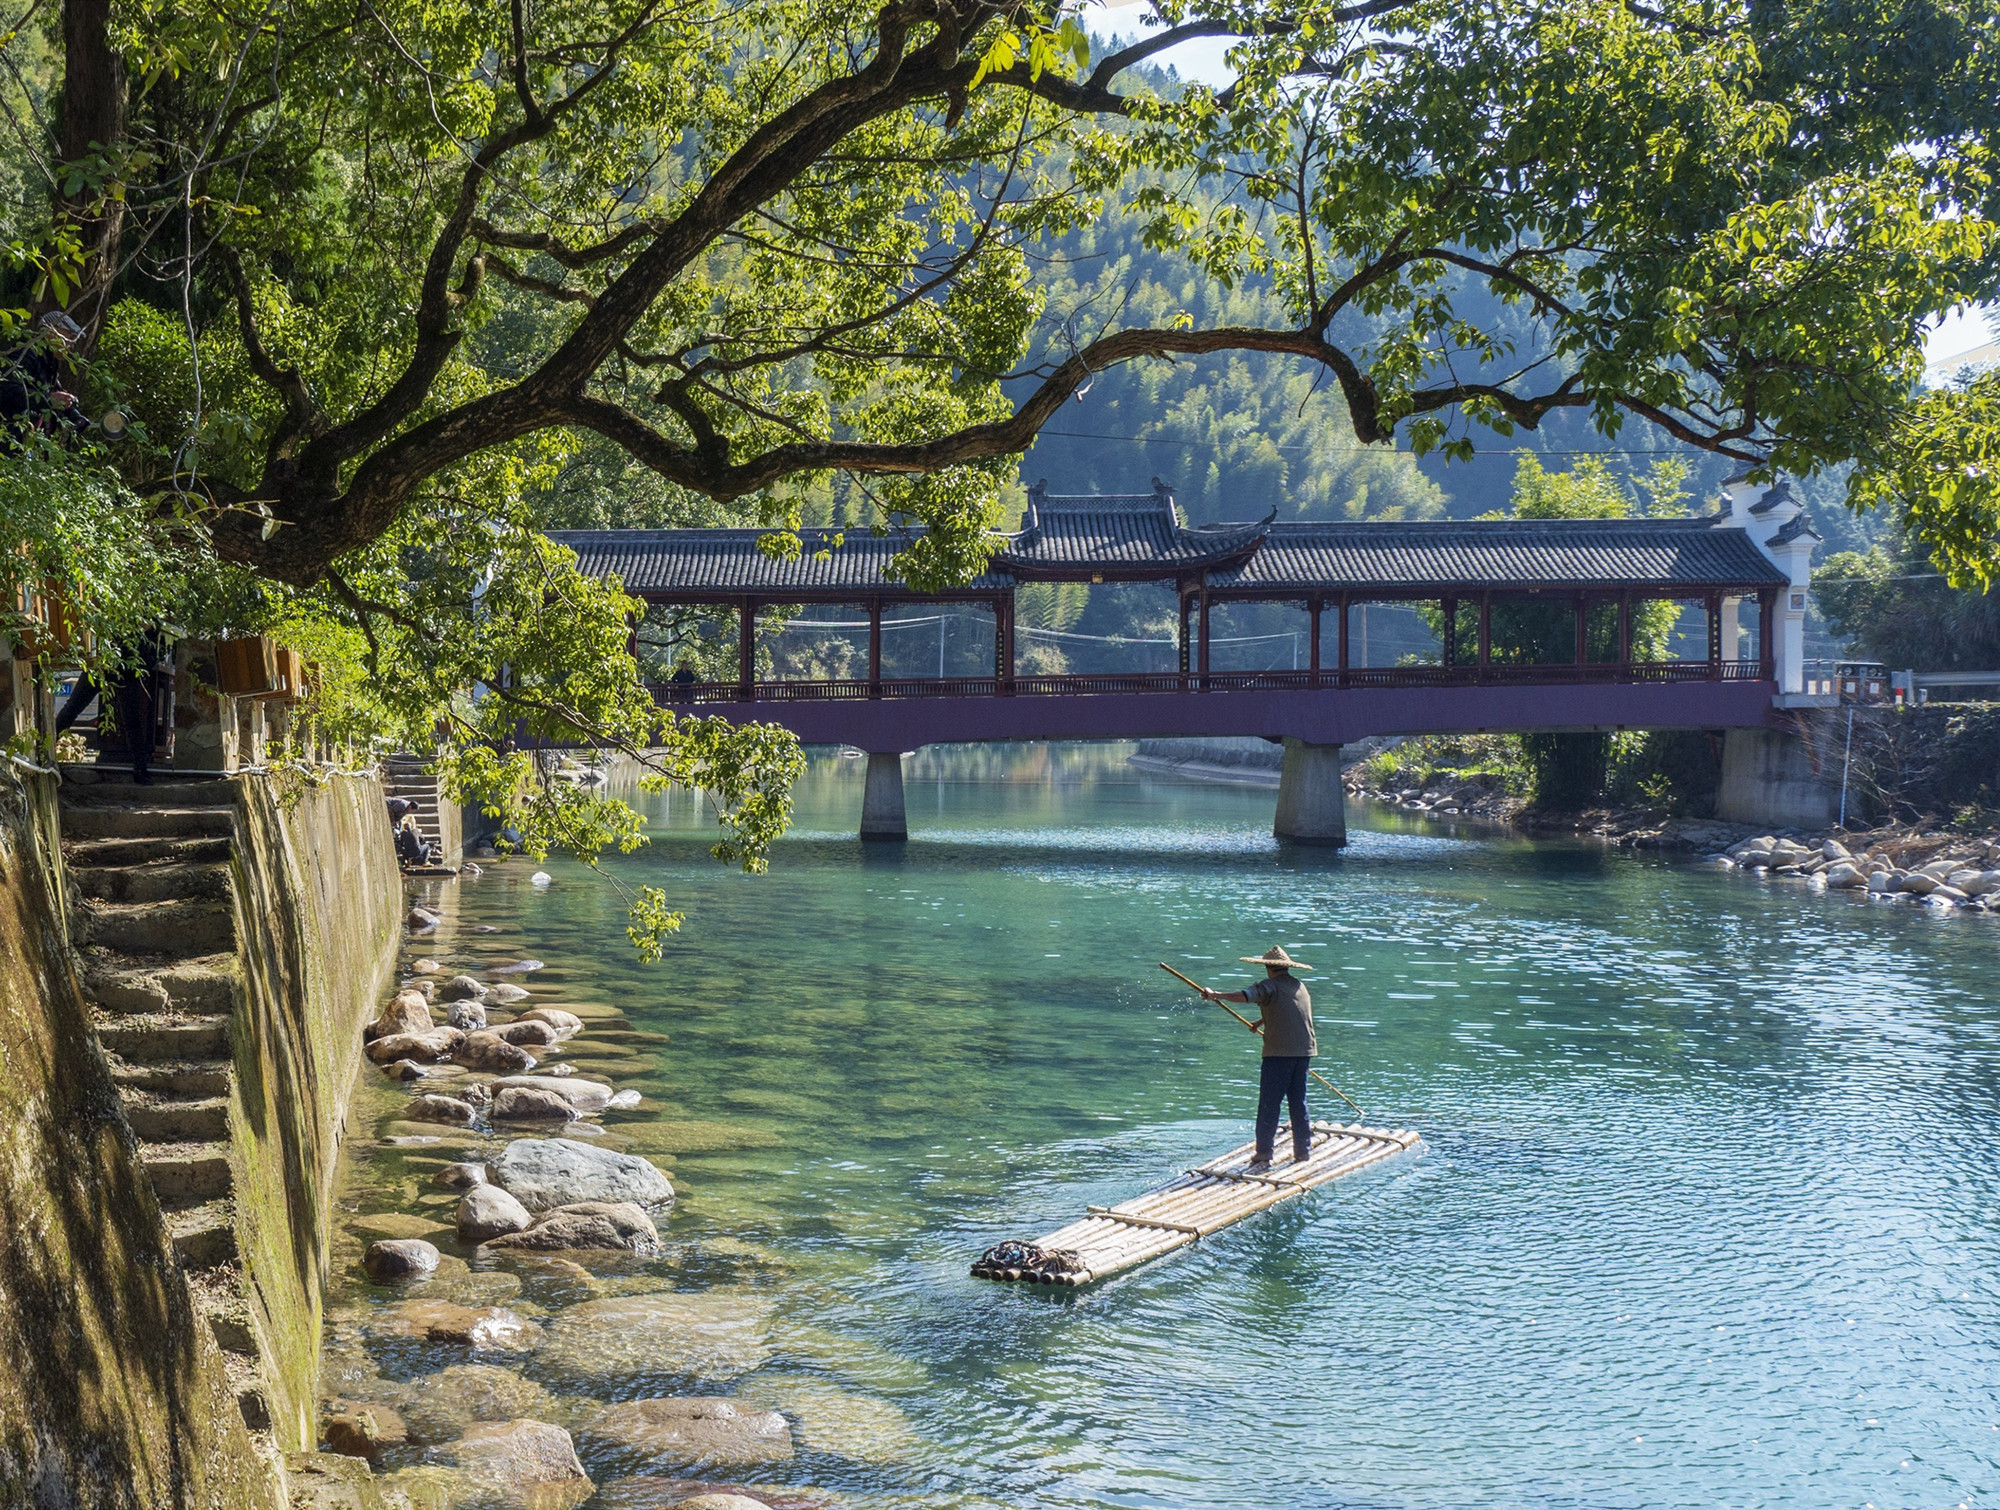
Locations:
1707 1215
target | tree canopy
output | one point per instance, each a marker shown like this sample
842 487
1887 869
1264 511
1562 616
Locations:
373 280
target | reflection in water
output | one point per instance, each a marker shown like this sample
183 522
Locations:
1708 1216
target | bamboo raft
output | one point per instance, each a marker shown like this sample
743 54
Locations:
1178 1214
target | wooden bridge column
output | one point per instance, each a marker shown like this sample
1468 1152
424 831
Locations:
1767 634
1343 639
1450 653
1625 636
875 651
1714 606
1003 641
1204 637
1485 632
1315 605
746 649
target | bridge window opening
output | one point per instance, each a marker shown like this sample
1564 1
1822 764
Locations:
1686 635
812 642
1383 634
937 641
1260 637
668 636
1085 629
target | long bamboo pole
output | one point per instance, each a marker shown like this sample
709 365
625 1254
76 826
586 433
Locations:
1258 1027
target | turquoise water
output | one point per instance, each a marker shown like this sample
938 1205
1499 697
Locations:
1707 1215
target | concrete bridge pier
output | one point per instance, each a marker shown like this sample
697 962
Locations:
882 814
1773 777
1312 804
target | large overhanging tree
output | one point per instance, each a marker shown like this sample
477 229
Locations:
364 268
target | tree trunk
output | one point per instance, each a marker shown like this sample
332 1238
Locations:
93 125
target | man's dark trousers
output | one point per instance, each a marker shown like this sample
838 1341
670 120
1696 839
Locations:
1283 1079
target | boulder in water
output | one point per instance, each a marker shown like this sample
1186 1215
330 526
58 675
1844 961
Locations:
462 988
400 1258
405 1069
407 1013
585 1095
421 920
544 1173
439 1109
488 1051
364 1430
425 967
506 991
704 1432
531 1033
425 1048
527 1103
527 1461
487 1211
606 1344
611 1226
568 1024
460 1176
466 1016
519 967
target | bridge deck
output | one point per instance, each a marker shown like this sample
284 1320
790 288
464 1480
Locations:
1194 1205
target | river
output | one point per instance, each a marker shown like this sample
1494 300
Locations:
1706 1216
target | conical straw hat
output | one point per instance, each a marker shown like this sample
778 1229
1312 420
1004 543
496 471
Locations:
1275 955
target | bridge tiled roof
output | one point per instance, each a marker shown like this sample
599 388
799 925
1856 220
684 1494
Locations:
1143 537
1130 535
1638 553
696 564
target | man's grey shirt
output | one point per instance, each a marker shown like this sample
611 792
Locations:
1288 1016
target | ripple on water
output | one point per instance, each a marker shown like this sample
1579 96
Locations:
1707 1214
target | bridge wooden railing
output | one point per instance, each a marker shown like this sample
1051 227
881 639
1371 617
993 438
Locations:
1116 682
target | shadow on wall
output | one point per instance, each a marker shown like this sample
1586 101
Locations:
111 1393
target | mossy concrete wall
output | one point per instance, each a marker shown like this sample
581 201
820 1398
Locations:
319 909
112 1392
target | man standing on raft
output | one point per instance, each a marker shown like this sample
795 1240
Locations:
1286 1012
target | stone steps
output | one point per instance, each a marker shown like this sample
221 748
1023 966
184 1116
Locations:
92 853
125 822
176 1077
160 930
205 1235
176 880
156 1038
171 1117
202 986
160 794
186 1175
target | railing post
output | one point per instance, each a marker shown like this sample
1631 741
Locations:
874 647
1485 633
746 650
1343 639
1316 605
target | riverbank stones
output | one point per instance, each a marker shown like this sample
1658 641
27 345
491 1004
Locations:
487 1051
401 1258
486 1212
407 1012
424 1048
584 1094
566 1024
432 1320
529 1460
434 1108
460 1176
529 1033
462 988
466 1016
608 1226
443 1405
506 992
364 1430
526 1103
405 1070
544 1173
699 1432
670 1336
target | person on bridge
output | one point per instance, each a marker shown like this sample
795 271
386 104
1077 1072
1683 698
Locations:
1286 1018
